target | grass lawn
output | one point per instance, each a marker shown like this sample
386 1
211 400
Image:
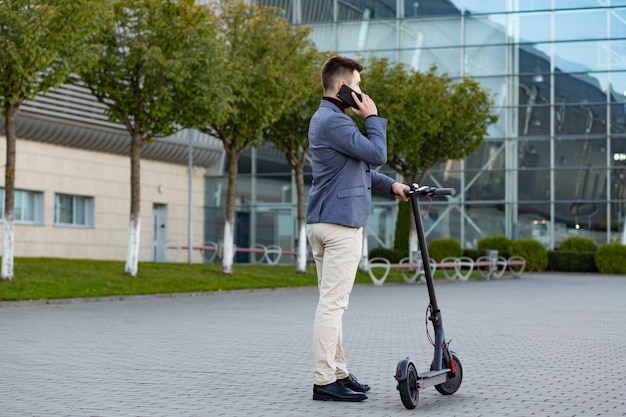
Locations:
53 278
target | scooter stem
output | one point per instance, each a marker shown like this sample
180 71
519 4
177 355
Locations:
435 314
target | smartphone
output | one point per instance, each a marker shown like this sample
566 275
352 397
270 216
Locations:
346 97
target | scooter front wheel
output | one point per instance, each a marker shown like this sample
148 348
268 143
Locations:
409 394
453 383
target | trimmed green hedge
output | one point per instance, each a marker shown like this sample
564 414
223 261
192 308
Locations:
572 261
533 251
611 258
500 243
578 244
442 248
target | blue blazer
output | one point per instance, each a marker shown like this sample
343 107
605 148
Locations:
341 191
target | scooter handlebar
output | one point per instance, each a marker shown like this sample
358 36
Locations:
428 190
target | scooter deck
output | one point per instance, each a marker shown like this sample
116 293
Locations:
432 378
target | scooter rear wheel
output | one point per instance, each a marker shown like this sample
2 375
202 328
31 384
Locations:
409 394
452 384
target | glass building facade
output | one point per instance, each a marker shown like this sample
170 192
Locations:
553 166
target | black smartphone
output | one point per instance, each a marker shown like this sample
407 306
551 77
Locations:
346 97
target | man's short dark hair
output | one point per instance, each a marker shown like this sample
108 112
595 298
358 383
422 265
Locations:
336 68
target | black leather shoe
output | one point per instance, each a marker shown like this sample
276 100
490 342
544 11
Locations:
353 384
336 392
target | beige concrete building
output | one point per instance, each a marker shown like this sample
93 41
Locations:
73 183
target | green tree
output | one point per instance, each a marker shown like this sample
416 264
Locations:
432 118
262 61
40 41
290 135
155 58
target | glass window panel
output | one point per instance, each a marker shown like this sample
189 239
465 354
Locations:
618 152
580 88
64 209
273 189
488 156
485 30
381 226
26 201
580 184
447 174
532 27
580 119
366 9
485 185
482 6
533 154
618 220
431 8
618 118
446 60
316 11
533 221
533 184
579 153
534 120
618 86
243 195
584 56
530 5
481 221
366 36
441 222
421 33
323 36
80 206
618 183
617 22
575 4
617 54
485 60
585 219
580 24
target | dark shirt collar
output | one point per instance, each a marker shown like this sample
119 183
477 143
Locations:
342 106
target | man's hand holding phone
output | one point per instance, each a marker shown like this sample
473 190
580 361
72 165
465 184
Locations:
362 105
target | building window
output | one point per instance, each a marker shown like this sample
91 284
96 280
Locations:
73 210
28 206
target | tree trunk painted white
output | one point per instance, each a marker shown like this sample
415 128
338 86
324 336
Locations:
229 253
413 246
623 239
301 261
132 254
7 249
364 266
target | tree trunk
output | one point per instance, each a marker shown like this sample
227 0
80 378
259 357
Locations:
302 252
9 195
229 221
134 227
364 264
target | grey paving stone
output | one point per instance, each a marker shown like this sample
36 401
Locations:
543 345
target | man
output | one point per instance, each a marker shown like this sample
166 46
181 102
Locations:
339 204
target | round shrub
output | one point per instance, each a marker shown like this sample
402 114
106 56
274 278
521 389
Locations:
391 255
611 258
500 243
578 244
535 253
441 248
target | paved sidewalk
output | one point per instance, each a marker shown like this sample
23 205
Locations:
542 345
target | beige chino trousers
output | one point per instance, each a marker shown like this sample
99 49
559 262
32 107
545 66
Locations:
337 252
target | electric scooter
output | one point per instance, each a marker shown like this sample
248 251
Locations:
446 372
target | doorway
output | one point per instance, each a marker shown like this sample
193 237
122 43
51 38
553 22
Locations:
159 233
